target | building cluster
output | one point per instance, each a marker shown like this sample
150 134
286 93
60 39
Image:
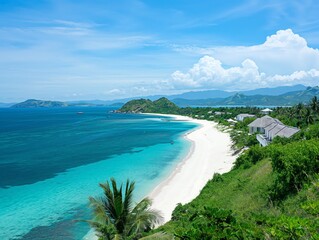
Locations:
269 128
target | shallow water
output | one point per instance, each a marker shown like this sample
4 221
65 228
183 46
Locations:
51 160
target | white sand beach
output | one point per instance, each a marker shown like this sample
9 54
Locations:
210 153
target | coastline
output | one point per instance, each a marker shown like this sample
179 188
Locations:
209 153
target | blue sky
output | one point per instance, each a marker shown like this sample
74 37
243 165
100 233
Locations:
99 49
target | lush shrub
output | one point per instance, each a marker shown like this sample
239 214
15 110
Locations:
312 131
251 157
293 165
290 227
211 223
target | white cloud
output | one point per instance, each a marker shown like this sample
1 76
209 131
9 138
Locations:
282 53
209 73
283 59
310 77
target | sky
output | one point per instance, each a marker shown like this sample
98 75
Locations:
103 49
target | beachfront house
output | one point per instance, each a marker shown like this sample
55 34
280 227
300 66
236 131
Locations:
266 111
269 128
231 121
241 117
219 113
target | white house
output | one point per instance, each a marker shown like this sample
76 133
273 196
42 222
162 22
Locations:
231 121
269 128
266 111
241 117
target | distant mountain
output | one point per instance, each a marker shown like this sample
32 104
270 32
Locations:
162 105
209 94
212 94
33 103
287 99
276 91
196 102
201 95
285 95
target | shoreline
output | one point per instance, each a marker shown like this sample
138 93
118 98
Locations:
209 153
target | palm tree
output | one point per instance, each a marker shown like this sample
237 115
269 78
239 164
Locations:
314 104
114 216
308 116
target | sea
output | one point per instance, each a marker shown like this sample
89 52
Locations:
53 159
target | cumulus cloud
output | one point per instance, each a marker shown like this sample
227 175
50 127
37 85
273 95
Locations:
310 77
282 53
283 59
209 73
285 39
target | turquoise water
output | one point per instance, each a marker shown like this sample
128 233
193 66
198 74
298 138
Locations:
51 161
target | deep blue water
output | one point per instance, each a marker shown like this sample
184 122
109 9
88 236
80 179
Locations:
51 161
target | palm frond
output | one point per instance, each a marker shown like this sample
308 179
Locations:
98 206
114 217
143 218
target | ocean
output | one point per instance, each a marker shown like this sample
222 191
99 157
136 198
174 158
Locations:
52 160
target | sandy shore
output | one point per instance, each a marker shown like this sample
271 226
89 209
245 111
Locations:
210 153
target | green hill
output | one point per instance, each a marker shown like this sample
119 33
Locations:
162 105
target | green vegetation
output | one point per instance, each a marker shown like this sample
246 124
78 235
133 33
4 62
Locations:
271 193
162 105
114 216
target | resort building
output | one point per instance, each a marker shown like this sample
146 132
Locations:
269 128
231 121
266 111
219 113
241 117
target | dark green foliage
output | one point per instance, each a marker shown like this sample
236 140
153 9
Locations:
292 227
312 132
251 157
141 105
209 223
162 105
293 166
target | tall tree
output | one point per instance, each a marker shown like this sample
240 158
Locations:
308 116
115 218
314 104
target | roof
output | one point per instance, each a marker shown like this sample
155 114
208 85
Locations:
266 110
274 128
287 132
245 115
231 120
264 122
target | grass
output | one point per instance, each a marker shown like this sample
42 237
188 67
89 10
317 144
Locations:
245 193
239 190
